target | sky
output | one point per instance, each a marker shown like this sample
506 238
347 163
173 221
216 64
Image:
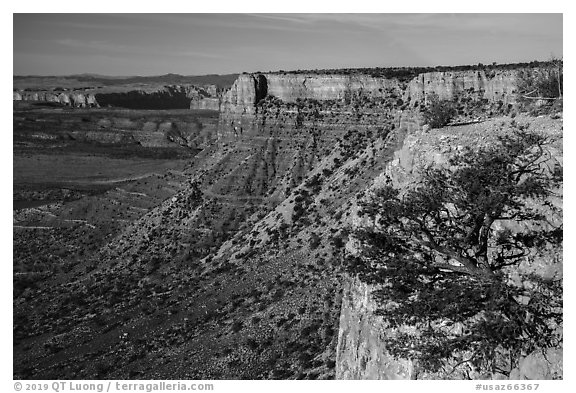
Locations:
198 44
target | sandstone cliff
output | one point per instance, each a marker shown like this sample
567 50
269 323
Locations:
134 97
243 95
497 86
163 97
251 88
290 88
74 99
203 97
494 88
360 353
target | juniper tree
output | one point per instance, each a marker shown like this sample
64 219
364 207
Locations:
436 259
438 113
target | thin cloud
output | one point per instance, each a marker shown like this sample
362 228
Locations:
294 18
94 45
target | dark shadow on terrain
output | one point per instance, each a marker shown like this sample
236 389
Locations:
139 100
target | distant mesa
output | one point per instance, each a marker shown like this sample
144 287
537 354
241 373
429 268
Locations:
71 99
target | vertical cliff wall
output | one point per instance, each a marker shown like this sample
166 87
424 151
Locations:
251 88
360 353
291 87
147 97
240 101
77 100
494 86
241 98
162 97
241 105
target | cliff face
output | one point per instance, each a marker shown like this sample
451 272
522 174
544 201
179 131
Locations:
203 97
149 97
77 100
289 88
498 86
205 103
164 97
360 353
325 98
242 96
251 88
494 87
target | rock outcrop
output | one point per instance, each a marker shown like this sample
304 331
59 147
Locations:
204 97
73 99
163 97
540 365
205 103
360 353
498 86
242 96
494 87
290 88
251 88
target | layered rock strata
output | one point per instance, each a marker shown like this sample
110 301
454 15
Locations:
250 88
498 86
204 97
165 97
77 100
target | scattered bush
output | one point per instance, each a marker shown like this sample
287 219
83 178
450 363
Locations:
539 90
437 112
